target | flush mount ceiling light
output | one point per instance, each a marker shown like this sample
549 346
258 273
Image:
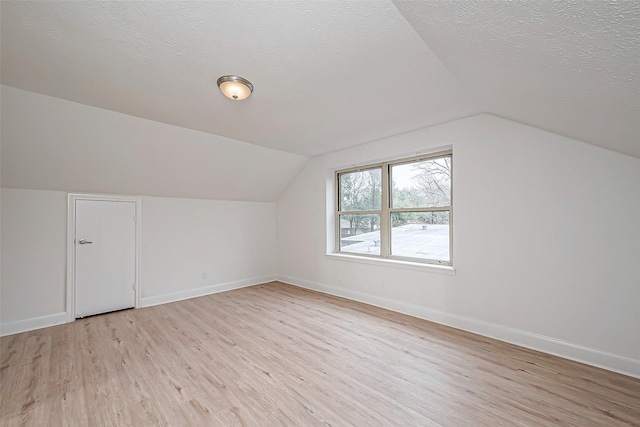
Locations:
234 87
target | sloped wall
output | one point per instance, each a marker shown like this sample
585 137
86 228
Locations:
53 144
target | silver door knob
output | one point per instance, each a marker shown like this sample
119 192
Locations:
84 242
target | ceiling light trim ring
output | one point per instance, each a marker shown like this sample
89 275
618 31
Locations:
231 87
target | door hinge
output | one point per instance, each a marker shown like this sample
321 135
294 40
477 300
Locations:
135 219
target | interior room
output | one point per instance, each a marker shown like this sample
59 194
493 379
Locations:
320 213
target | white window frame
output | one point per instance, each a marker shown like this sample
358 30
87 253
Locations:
386 210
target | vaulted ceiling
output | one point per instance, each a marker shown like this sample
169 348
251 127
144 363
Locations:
329 75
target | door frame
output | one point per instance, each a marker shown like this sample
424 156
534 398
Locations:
71 247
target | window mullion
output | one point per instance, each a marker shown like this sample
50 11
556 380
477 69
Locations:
431 209
369 212
385 217
336 231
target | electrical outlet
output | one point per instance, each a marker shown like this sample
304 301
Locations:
203 276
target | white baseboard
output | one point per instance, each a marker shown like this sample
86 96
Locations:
10 328
18 326
204 290
519 337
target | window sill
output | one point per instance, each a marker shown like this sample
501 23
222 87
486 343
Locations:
405 265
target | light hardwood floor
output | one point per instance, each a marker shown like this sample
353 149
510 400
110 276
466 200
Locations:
277 355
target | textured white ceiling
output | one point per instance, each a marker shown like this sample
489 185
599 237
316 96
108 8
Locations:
572 67
327 74
334 74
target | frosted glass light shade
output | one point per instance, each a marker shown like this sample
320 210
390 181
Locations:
234 87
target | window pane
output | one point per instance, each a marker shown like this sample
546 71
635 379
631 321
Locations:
422 184
360 234
361 190
420 235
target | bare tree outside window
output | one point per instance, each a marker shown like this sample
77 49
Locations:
360 191
414 224
423 184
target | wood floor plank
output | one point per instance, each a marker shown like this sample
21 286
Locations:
276 355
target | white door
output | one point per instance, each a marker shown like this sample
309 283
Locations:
105 251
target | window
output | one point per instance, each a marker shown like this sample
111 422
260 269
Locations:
397 210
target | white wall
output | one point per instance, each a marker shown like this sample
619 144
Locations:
546 241
33 254
233 242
